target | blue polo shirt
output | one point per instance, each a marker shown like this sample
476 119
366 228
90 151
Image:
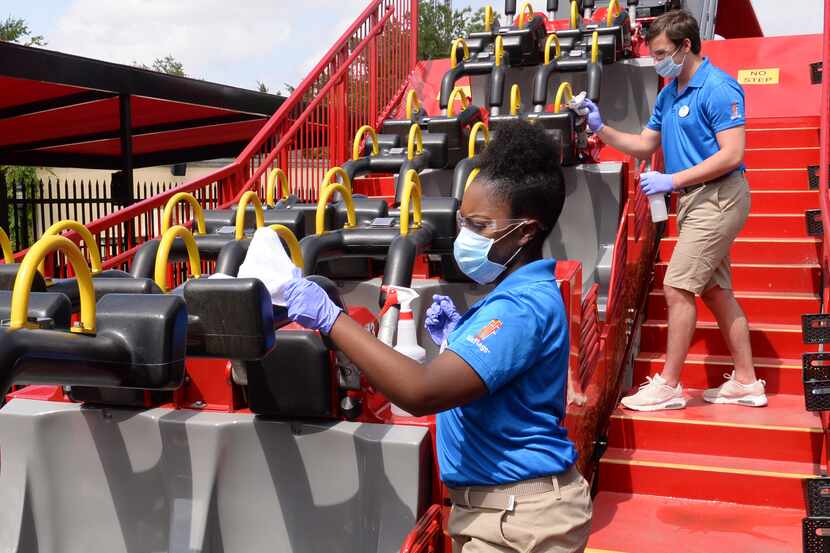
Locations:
516 339
712 102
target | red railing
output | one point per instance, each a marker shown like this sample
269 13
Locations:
428 533
359 80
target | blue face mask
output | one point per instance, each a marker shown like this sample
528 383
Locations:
471 250
666 67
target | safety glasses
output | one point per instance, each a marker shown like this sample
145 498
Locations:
481 224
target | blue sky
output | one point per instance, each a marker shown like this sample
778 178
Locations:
240 42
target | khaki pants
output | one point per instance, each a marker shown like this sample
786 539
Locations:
554 521
709 218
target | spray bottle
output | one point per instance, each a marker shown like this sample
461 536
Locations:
407 342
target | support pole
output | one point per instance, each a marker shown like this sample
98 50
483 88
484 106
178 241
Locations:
122 182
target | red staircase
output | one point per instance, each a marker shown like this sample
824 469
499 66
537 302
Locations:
714 478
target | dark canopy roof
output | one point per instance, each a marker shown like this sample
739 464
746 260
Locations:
61 110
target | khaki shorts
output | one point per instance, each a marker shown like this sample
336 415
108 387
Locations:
708 218
554 521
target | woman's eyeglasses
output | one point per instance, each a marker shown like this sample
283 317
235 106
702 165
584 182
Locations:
480 224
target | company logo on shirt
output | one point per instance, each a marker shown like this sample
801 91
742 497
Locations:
491 328
735 113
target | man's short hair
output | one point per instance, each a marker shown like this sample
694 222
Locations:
678 26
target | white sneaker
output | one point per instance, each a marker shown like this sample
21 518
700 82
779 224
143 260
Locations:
733 391
655 395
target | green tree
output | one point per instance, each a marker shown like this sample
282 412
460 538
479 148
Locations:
168 64
261 87
16 30
438 25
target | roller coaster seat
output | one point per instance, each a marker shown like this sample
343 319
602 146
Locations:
524 46
300 377
289 213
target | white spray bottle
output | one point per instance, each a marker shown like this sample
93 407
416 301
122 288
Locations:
407 342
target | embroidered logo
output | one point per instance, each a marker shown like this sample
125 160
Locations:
491 328
735 113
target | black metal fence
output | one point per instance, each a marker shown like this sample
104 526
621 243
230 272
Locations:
27 211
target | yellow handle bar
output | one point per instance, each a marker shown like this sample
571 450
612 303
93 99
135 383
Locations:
515 100
167 215
86 236
465 102
6 244
293 244
574 14
525 10
248 197
415 143
499 51
471 177
610 15
552 39
453 56
270 189
471 144
327 187
594 47
26 274
413 104
564 90
358 139
488 19
163 254
411 191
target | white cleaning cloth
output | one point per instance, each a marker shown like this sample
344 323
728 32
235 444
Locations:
266 260
577 104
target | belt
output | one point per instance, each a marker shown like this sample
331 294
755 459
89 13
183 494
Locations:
692 188
503 497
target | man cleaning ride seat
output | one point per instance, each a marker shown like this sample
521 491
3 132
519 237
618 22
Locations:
699 120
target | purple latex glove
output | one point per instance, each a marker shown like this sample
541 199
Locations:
656 183
594 118
441 318
309 305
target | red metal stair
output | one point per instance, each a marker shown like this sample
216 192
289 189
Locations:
720 477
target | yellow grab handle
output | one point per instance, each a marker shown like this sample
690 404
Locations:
270 188
574 14
471 177
552 38
327 187
499 51
415 143
610 15
564 90
26 274
525 10
411 191
471 144
358 138
594 47
293 244
515 100
465 102
247 198
488 19
413 104
6 244
167 215
453 56
86 236
163 254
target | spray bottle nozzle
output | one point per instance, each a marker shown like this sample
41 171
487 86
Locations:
404 296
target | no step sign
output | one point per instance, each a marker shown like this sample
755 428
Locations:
758 76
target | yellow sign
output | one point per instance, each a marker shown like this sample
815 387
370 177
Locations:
758 76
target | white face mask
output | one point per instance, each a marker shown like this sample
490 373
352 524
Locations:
667 68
